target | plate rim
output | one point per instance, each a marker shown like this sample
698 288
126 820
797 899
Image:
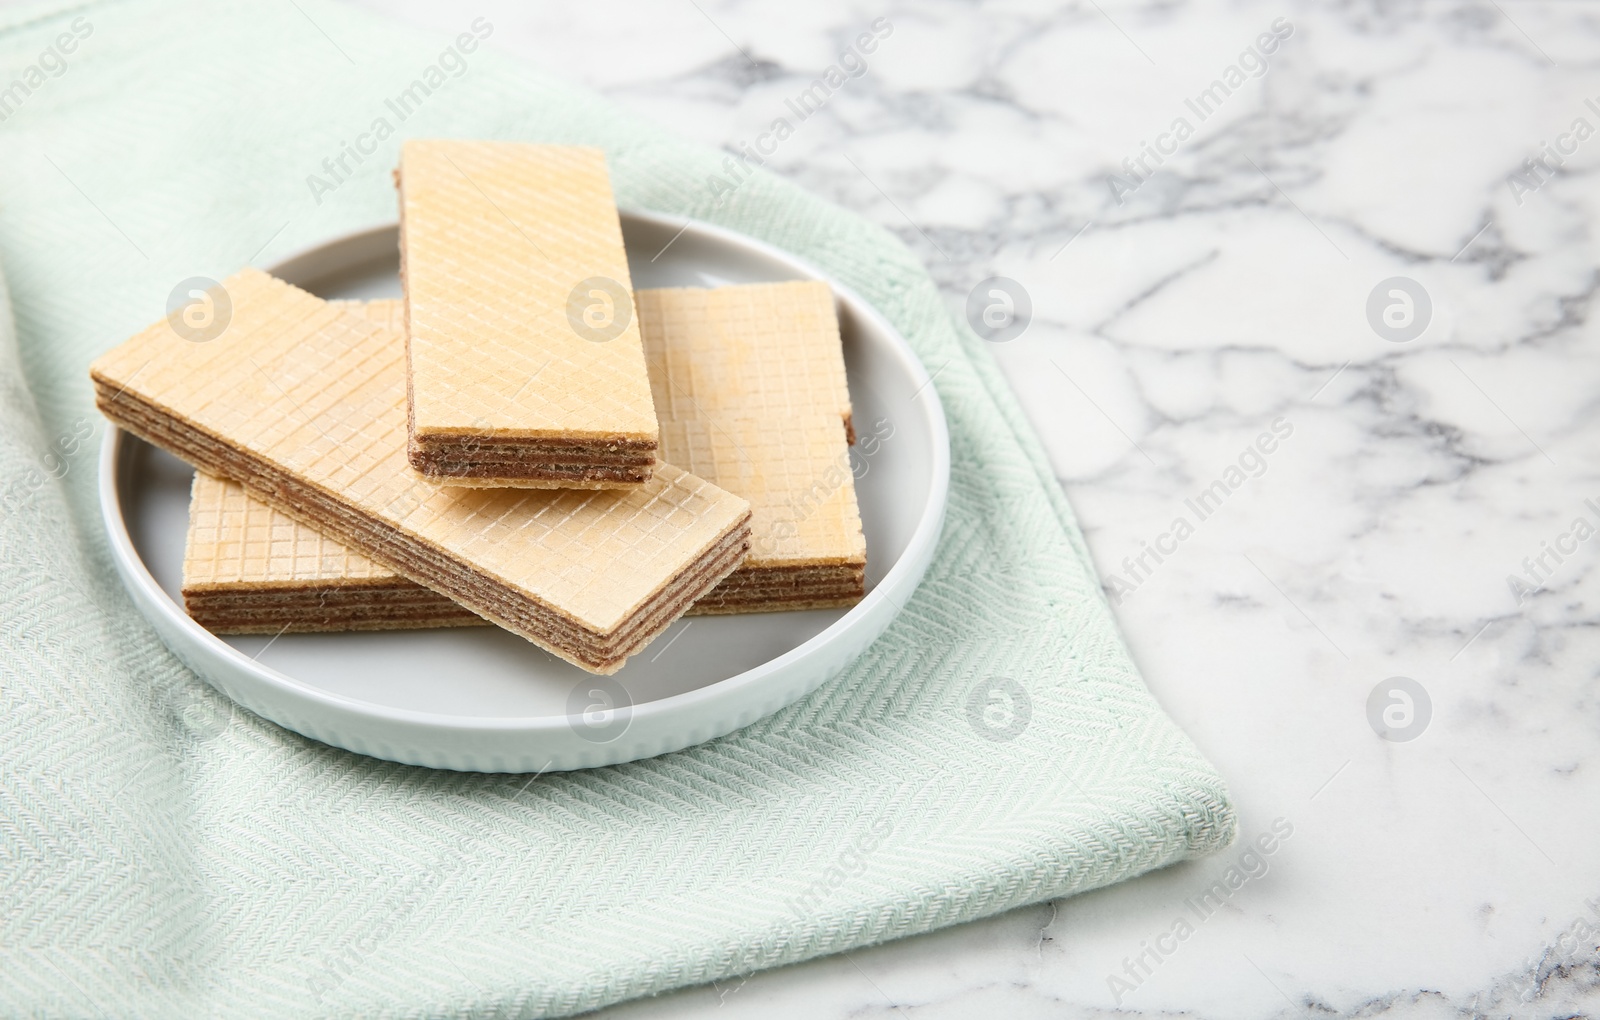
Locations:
906 573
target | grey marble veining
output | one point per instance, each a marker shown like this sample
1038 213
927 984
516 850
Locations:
1177 316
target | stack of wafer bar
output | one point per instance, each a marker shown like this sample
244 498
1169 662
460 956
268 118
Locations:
516 442
750 383
305 404
524 356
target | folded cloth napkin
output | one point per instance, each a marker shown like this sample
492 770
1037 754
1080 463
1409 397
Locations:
167 854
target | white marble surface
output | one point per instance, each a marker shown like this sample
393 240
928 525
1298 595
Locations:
1428 878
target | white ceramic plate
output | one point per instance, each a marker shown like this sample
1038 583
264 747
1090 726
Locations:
485 700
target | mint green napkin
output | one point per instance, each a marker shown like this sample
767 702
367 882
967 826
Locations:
169 855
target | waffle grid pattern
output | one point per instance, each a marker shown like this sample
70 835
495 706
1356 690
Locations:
750 384
745 350
237 539
496 237
794 469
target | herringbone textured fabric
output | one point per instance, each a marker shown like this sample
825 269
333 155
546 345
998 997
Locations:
166 855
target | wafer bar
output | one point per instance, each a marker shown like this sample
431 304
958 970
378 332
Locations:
525 364
750 386
251 569
304 403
